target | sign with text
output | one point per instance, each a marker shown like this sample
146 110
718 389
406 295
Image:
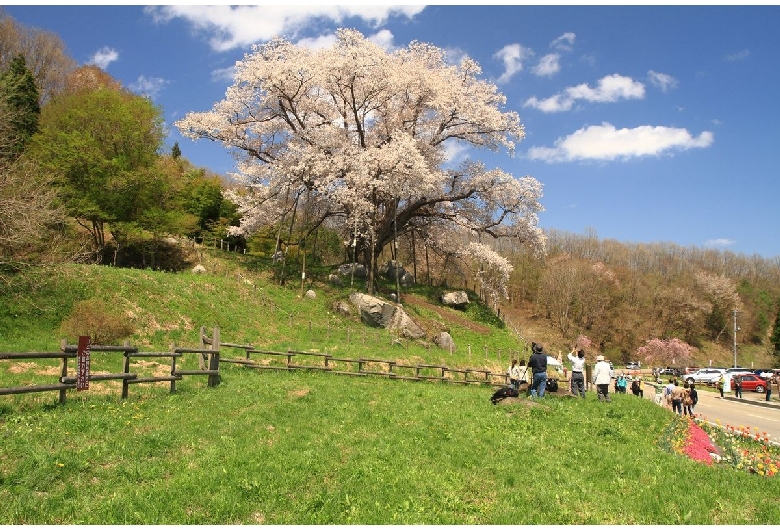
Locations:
82 361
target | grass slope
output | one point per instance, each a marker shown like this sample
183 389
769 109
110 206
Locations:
269 447
314 448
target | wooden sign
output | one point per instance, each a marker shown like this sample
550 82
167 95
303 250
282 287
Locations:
82 361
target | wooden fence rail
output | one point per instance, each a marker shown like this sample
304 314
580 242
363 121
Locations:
209 360
70 351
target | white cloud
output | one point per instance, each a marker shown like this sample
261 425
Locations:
610 89
564 42
224 74
455 152
243 25
149 86
104 56
548 65
605 142
512 56
720 242
383 38
318 43
454 56
662 81
739 56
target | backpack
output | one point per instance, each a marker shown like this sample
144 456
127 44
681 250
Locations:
635 387
552 385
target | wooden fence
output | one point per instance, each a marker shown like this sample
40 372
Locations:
69 351
210 356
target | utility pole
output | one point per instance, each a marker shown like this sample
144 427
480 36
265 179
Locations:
735 338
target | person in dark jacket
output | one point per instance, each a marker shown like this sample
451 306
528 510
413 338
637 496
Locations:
538 365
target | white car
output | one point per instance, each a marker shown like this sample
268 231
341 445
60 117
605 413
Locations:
705 375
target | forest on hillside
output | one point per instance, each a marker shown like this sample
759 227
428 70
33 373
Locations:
87 177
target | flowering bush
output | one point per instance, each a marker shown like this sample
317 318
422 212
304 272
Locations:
709 443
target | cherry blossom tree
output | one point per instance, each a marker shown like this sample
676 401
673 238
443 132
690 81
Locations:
357 136
662 352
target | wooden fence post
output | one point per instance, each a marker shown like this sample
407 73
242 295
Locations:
173 366
201 357
126 369
63 369
214 358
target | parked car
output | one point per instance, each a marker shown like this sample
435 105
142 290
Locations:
752 382
705 375
739 370
669 371
690 369
633 365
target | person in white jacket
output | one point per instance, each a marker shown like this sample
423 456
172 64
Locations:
577 373
602 375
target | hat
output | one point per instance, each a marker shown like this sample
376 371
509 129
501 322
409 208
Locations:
537 348
599 357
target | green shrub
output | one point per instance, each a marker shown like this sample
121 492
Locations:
96 319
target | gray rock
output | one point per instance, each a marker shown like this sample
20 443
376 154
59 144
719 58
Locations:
342 308
381 314
391 268
199 269
458 299
347 268
444 341
335 280
311 295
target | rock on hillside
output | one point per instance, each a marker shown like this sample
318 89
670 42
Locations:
382 314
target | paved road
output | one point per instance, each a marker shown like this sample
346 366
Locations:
752 411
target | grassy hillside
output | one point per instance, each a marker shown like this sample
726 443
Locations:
269 447
316 448
153 309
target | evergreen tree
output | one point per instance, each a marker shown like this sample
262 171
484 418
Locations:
19 95
176 151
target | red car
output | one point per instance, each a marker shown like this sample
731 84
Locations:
752 382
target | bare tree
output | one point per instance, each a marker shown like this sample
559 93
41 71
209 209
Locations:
44 53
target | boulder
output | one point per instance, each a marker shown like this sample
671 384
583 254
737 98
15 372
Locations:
444 341
335 280
199 269
457 299
391 268
342 308
311 295
348 268
407 280
382 314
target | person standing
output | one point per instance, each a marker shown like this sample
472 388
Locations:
577 373
690 401
538 365
769 389
641 387
514 375
737 386
721 383
677 396
668 391
601 378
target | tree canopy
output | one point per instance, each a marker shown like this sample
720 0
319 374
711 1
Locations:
19 95
103 146
357 137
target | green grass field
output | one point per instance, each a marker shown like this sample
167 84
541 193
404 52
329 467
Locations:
273 447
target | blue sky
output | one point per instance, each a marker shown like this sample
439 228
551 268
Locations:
643 123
